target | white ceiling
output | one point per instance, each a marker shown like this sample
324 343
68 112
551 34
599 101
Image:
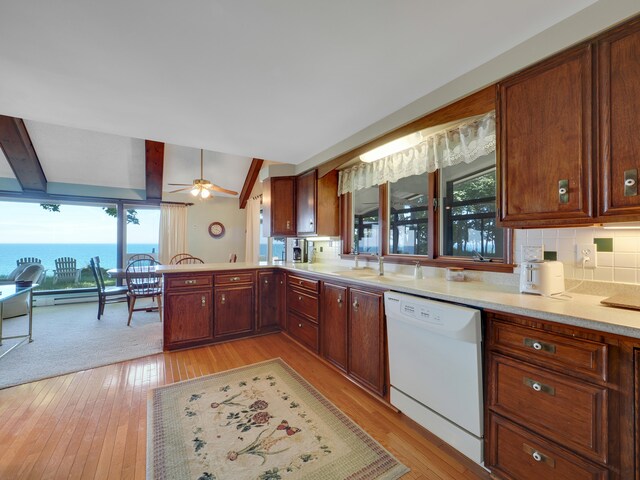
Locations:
274 79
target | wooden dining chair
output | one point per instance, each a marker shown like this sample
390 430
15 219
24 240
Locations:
106 294
141 256
176 258
143 282
189 260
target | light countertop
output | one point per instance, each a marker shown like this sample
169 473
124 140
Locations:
574 309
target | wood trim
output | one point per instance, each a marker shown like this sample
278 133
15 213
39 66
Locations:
154 164
475 104
346 232
383 219
249 182
22 157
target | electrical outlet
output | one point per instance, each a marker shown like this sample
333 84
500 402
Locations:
588 250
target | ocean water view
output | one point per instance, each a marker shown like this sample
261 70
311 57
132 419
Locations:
82 252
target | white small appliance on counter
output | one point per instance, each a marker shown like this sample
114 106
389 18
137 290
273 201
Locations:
542 278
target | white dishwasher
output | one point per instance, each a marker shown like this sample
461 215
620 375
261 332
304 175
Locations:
435 368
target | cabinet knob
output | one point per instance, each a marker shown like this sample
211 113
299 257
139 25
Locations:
288 224
356 304
631 182
300 297
539 386
234 279
537 456
539 346
300 282
340 299
563 191
204 301
300 325
223 298
266 281
190 282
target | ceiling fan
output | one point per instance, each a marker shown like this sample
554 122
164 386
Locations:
200 186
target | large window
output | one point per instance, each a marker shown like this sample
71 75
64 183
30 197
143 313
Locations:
408 216
143 231
366 233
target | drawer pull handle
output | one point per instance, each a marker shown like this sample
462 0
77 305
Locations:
234 279
190 282
204 301
538 456
539 387
539 346
300 282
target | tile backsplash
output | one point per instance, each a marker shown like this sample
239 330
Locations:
618 251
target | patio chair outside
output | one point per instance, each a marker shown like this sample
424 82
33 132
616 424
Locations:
106 294
27 260
66 270
143 282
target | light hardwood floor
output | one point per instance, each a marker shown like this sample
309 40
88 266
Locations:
92 424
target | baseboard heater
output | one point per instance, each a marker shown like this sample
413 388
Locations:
48 299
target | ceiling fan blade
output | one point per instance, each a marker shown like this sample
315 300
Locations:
180 184
223 190
180 189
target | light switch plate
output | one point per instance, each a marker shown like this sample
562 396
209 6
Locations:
589 250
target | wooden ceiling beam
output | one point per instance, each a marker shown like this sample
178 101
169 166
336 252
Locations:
154 165
23 160
249 182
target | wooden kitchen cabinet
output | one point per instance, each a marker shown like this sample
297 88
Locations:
559 400
270 300
636 400
545 142
366 344
618 106
234 307
278 204
317 204
188 310
334 319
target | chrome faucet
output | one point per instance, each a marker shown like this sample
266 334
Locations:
355 258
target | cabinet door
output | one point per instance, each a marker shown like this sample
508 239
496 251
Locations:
270 304
234 310
545 140
188 316
278 200
636 353
306 202
333 305
619 104
366 339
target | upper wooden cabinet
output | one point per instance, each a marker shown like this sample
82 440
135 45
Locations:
559 167
317 204
618 118
545 141
278 204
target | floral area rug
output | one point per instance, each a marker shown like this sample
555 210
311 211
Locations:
262 422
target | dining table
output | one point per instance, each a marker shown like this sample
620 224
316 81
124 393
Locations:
121 273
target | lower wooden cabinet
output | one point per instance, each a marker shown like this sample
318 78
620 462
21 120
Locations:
234 310
334 317
636 422
188 317
559 401
303 330
366 339
270 300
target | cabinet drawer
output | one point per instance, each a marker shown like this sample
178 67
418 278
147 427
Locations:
188 281
303 283
303 303
566 353
231 278
516 454
568 411
303 330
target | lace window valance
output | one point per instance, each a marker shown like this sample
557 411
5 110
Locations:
466 141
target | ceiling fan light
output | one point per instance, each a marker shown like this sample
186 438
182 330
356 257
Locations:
195 191
205 193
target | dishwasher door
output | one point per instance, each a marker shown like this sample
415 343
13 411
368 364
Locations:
435 367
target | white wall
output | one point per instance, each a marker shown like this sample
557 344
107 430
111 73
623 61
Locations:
200 215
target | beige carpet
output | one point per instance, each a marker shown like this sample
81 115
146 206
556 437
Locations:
69 338
259 422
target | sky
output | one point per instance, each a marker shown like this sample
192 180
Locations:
30 223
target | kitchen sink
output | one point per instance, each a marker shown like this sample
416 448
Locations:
371 274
